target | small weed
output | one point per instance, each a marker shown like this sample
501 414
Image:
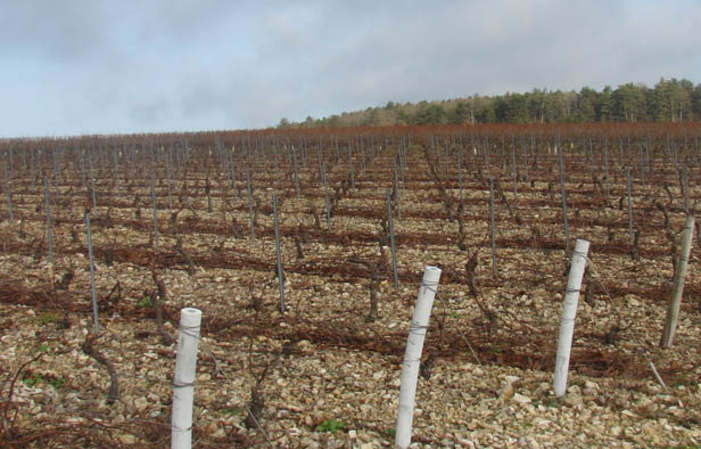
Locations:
146 302
453 315
231 411
57 382
391 433
49 317
551 402
683 379
35 379
527 424
332 425
43 348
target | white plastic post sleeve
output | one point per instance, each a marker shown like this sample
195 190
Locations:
412 355
184 379
569 312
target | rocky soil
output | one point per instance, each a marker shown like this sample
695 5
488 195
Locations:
324 374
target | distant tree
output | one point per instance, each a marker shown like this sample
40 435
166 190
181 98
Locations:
485 112
370 117
681 99
669 100
696 102
516 108
628 102
333 121
402 117
430 114
536 106
587 102
461 113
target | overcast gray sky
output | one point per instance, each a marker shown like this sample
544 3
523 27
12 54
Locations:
82 66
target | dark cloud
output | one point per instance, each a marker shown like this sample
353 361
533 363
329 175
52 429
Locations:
102 66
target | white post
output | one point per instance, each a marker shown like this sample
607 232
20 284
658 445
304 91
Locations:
412 356
569 312
670 324
184 379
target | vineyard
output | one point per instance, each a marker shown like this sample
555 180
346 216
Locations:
304 250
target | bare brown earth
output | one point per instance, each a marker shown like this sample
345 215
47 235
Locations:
486 376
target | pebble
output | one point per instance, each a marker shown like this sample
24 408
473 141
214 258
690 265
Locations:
573 400
127 439
466 443
521 399
512 379
541 422
140 403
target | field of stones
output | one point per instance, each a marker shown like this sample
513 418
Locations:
304 250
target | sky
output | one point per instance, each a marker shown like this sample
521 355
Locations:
101 67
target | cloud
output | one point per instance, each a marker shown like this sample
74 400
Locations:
105 66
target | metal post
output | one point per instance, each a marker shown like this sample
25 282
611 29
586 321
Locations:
96 326
280 274
48 220
564 197
250 202
493 226
155 210
391 239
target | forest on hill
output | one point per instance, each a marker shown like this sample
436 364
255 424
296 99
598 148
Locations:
670 100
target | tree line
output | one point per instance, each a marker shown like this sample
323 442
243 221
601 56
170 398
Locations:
670 100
